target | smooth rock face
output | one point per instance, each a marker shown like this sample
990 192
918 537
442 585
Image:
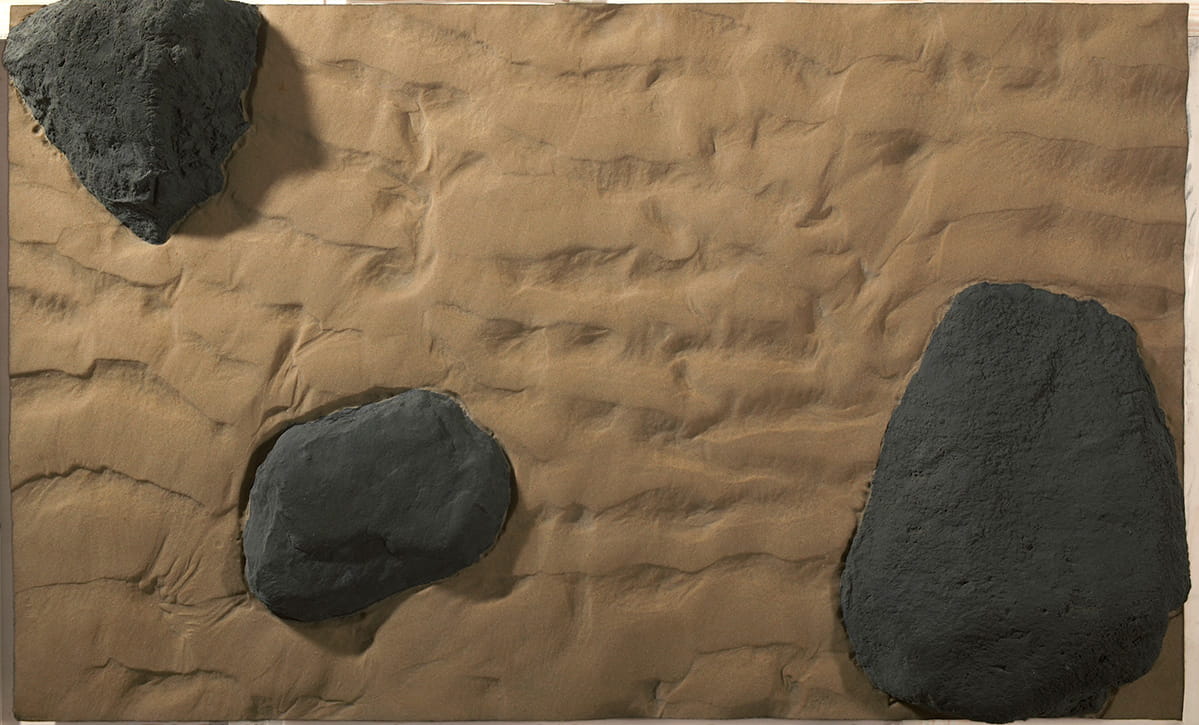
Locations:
1023 542
367 502
142 96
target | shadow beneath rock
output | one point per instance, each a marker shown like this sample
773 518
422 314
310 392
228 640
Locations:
354 633
488 579
279 143
494 576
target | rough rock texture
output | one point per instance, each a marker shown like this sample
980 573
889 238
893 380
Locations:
367 502
681 259
142 96
1024 540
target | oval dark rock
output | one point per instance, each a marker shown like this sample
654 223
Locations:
367 502
143 97
1023 543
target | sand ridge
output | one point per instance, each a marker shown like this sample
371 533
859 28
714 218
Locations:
681 260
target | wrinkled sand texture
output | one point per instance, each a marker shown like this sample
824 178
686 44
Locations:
681 260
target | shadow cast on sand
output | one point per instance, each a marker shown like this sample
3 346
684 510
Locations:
280 142
494 576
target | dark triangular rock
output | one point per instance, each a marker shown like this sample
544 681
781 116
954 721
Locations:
1023 543
142 96
367 502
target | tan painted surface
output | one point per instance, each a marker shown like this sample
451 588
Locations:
681 260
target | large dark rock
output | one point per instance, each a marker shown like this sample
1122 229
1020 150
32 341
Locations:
142 96
367 502
1023 543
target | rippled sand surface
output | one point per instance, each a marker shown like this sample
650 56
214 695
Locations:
680 259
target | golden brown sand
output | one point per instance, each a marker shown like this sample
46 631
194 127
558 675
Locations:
681 260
